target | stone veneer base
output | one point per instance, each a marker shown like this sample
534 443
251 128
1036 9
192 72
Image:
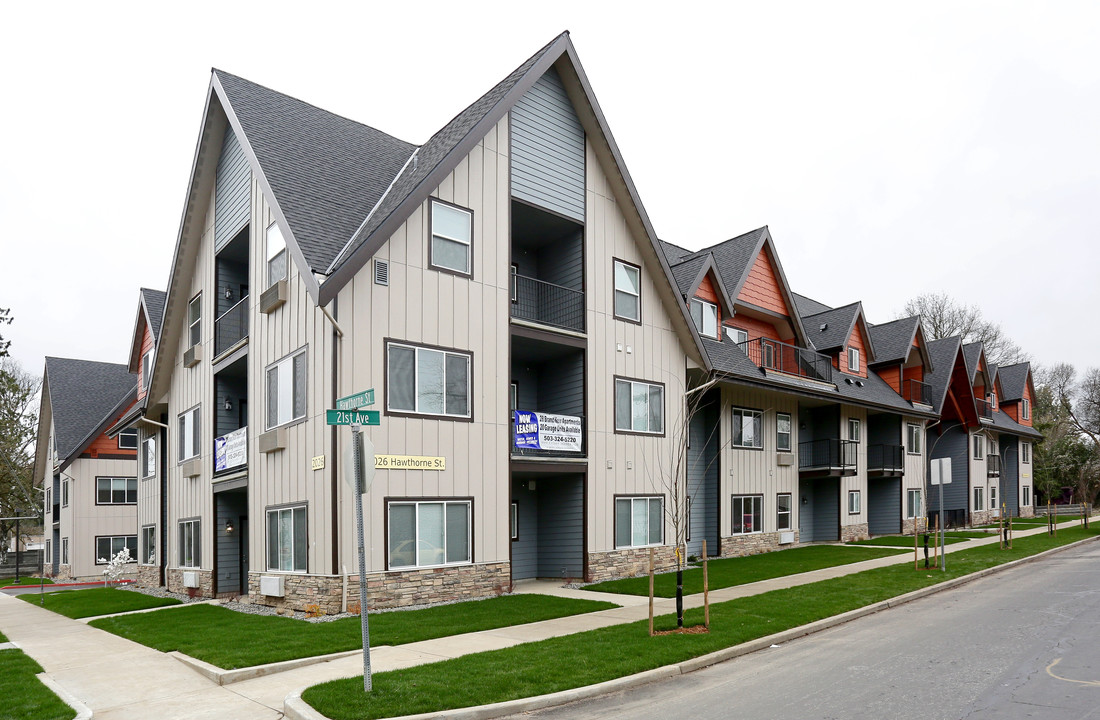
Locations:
628 562
753 544
854 532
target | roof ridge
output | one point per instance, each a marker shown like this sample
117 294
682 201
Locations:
720 243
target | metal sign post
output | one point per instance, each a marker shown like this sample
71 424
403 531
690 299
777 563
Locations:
941 475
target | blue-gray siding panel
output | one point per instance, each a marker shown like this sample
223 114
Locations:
525 550
819 518
702 478
1010 474
805 517
232 192
548 149
227 547
561 527
953 444
884 506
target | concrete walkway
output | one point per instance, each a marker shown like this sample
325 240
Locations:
119 679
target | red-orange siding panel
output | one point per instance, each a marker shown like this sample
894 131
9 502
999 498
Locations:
762 287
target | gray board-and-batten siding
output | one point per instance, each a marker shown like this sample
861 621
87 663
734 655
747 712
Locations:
884 505
550 527
232 191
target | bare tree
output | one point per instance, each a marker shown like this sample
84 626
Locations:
1067 412
18 427
944 317
5 319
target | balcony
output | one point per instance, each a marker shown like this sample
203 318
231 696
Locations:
546 303
539 434
231 327
788 359
916 391
993 466
828 456
985 410
56 516
886 459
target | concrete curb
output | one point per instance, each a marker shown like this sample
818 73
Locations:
227 677
294 708
83 712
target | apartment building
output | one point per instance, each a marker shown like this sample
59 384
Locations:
88 477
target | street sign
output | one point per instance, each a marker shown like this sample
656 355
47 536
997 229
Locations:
353 417
941 471
366 469
356 401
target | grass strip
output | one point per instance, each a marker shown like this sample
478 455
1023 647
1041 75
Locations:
10 582
96 601
902 541
22 695
595 656
728 572
2 638
201 630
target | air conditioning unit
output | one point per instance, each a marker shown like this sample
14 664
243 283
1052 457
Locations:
272 585
192 356
190 579
786 538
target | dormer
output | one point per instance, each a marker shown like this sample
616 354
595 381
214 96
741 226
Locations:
981 380
843 335
902 359
705 294
950 383
1017 392
143 342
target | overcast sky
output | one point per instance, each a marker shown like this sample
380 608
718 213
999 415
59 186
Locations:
893 149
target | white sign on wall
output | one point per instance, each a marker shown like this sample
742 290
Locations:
231 450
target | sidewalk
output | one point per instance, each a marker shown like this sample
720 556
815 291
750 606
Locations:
120 679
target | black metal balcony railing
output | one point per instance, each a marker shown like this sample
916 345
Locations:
827 453
557 441
984 409
789 359
885 457
231 327
918 392
543 302
993 466
56 513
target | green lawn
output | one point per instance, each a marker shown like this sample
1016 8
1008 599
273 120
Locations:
22 695
8 582
905 542
97 601
741 571
2 638
201 631
598 655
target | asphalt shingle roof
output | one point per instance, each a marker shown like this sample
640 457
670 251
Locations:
893 339
674 253
971 353
1004 423
836 325
1013 380
82 393
808 306
686 272
733 257
942 353
154 305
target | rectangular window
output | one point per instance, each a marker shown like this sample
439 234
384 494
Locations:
148 457
705 315
287 539
912 504
514 521
48 497
628 291
127 440
146 369
991 446
639 521
513 397
853 429
1026 409
1026 501
189 436
739 336
913 446
427 381
783 511
639 406
64 551
993 497
107 547
853 359
286 390
148 545
991 398
426 534
853 502
1025 452
64 493
515 283
190 554
978 445
783 432
194 321
452 232
748 514
115 491
979 498
276 255
747 428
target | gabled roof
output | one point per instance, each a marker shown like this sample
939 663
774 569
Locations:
894 341
690 273
831 329
84 397
151 311
974 355
673 252
1003 423
943 354
808 306
1014 379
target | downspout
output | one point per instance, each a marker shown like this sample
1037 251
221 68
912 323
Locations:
334 473
163 504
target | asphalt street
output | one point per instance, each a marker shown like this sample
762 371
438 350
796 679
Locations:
1024 643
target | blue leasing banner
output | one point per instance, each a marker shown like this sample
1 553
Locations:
543 431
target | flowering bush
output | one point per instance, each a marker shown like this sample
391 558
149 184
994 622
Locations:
116 565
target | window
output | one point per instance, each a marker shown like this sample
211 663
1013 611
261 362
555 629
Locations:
190 540
853 359
739 335
452 230
286 539
1025 452
64 551
1026 410
515 283
853 429
49 554
286 390
64 493
189 426
912 503
628 291
992 497
913 448
639 521
783 511
107 547
748 514
978 445
276 255
1026 501
853 502
514 521
513 397
148 545
639 407
429 533
991 398
127 440
747 428
49 495
146 369
194 321
115 491
428 381
705 315
783 432
148 457
979 498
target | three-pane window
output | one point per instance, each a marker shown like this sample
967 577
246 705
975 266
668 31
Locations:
705 315
639 521
286 390
639 406
628 291
452 231
107 547
428 381
189 426
748 514
425 534
287 539
115 491
748 428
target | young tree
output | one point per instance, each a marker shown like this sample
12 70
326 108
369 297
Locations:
944 317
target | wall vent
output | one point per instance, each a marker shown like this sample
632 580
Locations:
381 272
190 579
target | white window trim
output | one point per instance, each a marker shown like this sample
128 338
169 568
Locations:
147 462
129 432
755 530
416 532
626 291
908 505
513 521
468 242
197 322
910 428
192 433
789 433
1025 453
979 498
738 335
855 430
275 233
277 526
416 380
64 493
707 310
65 551
615 409
146 369
741 412
195 529
977 448
853 359
284 368
633 499
789 512
141 545
855 494
1025 410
